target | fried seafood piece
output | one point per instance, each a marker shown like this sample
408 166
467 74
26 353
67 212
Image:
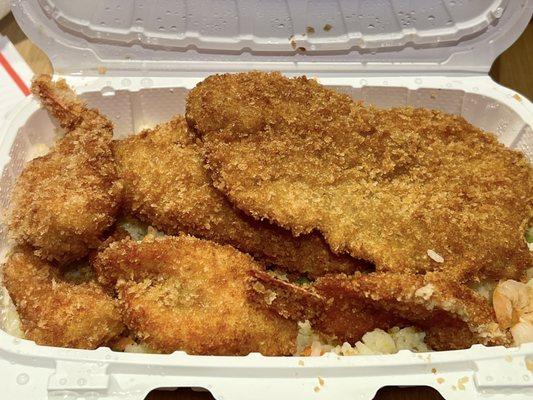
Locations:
58 312
452 315
184 293
513 305
347 322
411 190
166 185
63 202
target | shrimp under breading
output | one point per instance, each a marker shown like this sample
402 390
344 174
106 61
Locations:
346 307
64 201
513 305
58 312
410 190
166 185
183 293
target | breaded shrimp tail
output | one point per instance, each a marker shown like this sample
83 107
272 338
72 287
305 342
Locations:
183 293
56 312
406 189
64 201
167 186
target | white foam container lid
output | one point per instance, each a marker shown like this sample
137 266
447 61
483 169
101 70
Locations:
136 60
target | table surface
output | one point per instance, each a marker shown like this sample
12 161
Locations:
511 69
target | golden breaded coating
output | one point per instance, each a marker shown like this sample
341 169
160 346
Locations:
453 315
57 312
183 293
407 189
166 185
63 202
346 307
346 321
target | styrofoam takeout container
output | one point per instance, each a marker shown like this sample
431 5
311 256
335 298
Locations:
136 60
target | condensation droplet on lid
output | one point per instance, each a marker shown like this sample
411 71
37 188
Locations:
370 26
431 18
107 91
147 82
138 21
62 381
161 28
418 81
498 12
363 82
22 379
82 382
16 341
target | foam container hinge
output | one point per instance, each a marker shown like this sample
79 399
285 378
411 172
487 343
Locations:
139 75
43 372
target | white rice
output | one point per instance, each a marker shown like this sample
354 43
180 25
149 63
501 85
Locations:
9 318
37 150
138 348
375 342
435 256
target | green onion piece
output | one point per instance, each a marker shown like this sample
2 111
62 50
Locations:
529 235
302 280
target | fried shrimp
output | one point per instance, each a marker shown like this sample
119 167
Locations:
410 190
183 293
64 201
346 307
166 185
513 304
58 312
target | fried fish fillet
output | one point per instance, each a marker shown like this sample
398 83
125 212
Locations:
58 312
183 293
166 185
346 307
411 190
64 201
